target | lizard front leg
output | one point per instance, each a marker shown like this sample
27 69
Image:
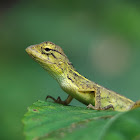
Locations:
58 100
98 102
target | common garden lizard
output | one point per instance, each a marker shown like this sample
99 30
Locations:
52 58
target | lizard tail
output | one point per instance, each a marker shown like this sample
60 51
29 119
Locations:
136 105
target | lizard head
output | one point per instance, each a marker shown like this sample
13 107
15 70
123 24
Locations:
50 56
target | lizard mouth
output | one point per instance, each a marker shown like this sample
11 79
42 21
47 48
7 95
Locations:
29 50
32 52
33 56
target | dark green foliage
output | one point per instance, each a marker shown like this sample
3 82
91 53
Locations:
46 120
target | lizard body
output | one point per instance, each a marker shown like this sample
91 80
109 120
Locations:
52 58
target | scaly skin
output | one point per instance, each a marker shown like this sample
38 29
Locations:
52 58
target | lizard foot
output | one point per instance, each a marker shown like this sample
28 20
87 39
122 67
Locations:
135 105
58 100
100 108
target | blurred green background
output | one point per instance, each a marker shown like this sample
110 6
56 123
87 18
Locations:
101 39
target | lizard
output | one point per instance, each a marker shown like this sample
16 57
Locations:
53 59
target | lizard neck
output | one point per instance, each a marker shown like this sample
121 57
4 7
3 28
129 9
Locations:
72 77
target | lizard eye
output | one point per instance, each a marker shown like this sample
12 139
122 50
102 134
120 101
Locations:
47 49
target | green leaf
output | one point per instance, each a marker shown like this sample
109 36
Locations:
125 126
46 120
